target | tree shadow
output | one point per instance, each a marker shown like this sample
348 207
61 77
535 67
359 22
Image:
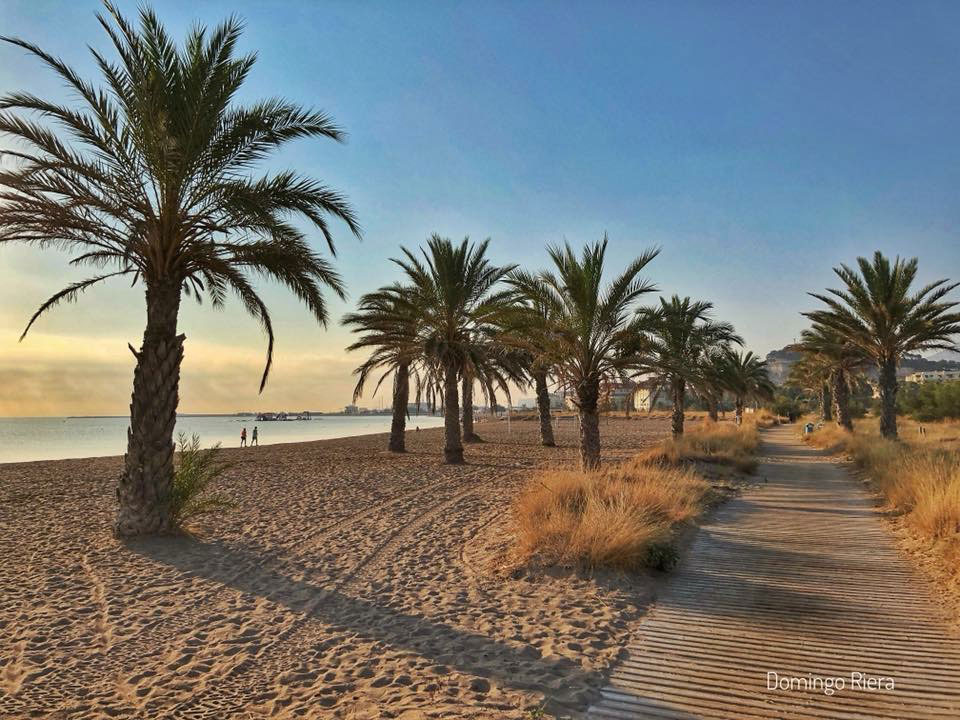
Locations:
262 573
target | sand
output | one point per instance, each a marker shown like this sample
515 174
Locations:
348 583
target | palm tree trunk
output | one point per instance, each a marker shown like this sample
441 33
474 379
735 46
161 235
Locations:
468 434
738 410
588 394
841 400
452 448
713 408
826 402
888 398
678 388
401 395
143 491
543 407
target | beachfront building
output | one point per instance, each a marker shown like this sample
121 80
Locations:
933 376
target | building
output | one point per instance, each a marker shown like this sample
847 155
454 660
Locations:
556 402
933 376
350 410
613 396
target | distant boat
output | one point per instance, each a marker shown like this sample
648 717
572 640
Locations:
282 416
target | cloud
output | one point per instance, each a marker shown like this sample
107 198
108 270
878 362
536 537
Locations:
77 375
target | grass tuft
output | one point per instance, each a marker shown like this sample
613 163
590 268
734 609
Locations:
723 443
620 517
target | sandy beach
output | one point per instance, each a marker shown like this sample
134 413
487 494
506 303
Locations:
347 583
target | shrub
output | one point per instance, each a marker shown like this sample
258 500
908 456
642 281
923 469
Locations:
723 443
929 401
621 516
196 469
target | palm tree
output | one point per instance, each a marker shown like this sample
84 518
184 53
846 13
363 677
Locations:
389 325
678 334
152 179
812 374
709 380
528 327
876 312
837 361
453 288
492 365
592 337
745 376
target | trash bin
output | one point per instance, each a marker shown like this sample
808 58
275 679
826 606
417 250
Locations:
808 428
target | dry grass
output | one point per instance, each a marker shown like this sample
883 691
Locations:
619 517
721 442
918 477
762 418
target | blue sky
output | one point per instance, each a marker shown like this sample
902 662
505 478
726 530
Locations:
759 144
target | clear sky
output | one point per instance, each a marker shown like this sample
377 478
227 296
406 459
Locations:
758 143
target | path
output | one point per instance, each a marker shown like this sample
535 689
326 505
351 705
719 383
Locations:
797 578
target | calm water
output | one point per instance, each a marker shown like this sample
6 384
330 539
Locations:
57 438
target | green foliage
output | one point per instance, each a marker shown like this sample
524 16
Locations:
196 469
662 556
929 401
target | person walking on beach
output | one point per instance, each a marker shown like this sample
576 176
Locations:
253 438
243 438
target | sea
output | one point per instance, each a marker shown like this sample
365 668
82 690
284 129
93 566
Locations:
56 438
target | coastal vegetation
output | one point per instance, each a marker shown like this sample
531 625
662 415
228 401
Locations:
930 401
880 317
677 341
626 515
590 335
622 516
196 469
152 179
711 442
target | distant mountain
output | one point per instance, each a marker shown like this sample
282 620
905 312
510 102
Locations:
948 355
780 361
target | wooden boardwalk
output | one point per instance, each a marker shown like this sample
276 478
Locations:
800 578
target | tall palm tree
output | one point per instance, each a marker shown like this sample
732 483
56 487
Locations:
592 335
151 178
838 361
678 335
388 325
745 376
877 313
529 328
453 286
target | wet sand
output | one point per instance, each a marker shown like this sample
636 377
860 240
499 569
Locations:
347 583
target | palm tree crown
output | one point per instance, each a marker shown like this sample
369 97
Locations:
877 313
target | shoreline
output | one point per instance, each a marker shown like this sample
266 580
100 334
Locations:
288 433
